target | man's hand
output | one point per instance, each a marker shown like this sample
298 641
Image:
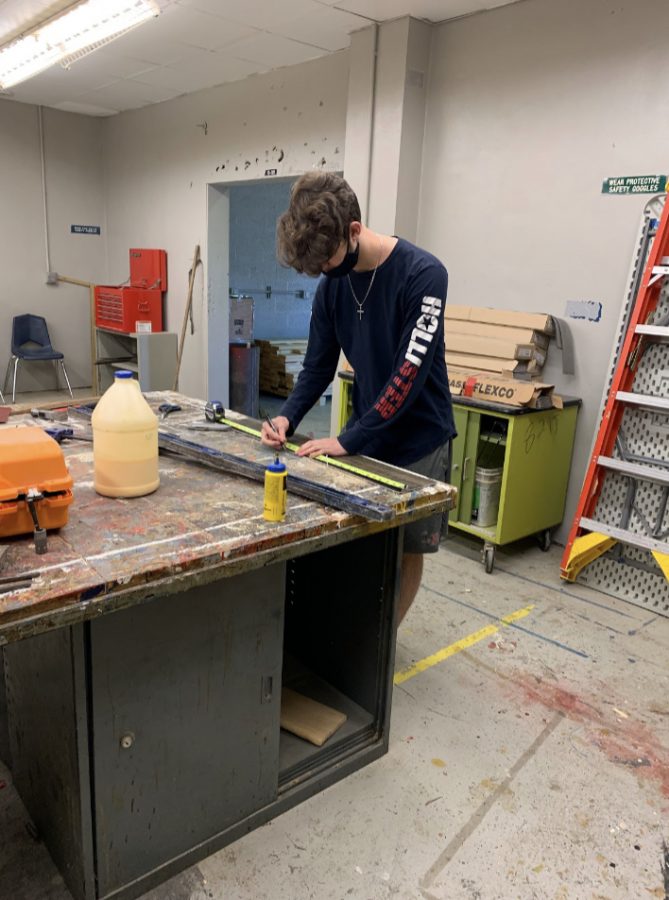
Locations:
275 439
318 446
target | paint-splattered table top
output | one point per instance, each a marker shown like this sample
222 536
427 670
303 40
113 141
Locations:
200 525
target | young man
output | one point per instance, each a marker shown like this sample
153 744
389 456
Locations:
381 302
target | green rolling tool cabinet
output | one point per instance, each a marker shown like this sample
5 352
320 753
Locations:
533 448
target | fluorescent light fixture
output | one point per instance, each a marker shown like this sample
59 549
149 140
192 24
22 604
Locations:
71 36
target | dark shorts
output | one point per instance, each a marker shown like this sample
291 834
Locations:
424 535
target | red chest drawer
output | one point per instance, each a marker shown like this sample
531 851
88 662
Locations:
128 309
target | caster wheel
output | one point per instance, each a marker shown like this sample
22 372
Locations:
489 558
545 540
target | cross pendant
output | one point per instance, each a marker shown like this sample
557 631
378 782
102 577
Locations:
360 312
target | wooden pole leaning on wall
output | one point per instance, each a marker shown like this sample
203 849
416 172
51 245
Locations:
188 314
95 384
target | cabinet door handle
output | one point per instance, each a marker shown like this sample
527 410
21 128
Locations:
266 688
465 466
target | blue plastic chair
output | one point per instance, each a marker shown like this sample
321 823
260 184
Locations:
31 342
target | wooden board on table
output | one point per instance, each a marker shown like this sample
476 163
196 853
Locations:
307 718
20 408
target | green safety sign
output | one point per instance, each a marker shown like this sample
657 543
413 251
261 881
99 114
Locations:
635 184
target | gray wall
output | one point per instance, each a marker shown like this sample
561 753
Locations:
530 107
73 163
254 209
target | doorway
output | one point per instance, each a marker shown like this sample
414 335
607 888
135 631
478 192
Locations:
243 273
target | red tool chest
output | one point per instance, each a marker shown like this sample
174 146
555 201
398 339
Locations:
148 268
138 307
128 309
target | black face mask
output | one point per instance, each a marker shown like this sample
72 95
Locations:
348 263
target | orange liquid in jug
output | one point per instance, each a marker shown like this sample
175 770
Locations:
119 474
125 442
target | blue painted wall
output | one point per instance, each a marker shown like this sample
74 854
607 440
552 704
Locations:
254 209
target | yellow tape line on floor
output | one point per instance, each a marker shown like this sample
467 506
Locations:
452 649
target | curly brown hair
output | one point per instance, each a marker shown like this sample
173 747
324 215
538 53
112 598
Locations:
322 208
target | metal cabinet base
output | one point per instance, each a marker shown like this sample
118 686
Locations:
245 378
534 449
147 739
151 356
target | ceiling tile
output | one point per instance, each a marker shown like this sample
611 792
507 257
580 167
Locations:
263 14
127 94
326 27
196 44
432 10
187 25
85 109
47 88
102 67
39 95
273 50
57 84
209 70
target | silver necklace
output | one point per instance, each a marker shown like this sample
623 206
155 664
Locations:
360 303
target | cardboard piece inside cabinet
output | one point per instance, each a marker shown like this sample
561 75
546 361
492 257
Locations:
307 718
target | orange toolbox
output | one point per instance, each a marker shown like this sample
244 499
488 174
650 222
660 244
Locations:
32 473
128 309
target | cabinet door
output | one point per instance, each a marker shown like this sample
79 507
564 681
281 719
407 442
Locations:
458 454
536 474
465 451
185 710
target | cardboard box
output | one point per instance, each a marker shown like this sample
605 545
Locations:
506 391
504 332
536 321
481 345
490 363
241 320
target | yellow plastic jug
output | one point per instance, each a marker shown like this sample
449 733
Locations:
125 441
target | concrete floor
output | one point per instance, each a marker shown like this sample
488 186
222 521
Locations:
531 762
36 398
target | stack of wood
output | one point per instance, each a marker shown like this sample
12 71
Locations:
280 364
511 344
497 355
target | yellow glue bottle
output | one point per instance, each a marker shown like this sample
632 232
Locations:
274 506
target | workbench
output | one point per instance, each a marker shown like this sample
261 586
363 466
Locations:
145 661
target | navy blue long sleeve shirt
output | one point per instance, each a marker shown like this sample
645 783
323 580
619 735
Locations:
401 401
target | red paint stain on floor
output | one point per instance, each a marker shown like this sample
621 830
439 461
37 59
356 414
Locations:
625 742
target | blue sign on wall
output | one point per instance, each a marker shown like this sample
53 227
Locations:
84 229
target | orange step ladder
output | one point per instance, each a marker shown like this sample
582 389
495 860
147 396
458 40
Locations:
589 538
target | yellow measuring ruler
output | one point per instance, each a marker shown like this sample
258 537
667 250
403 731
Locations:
328 460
